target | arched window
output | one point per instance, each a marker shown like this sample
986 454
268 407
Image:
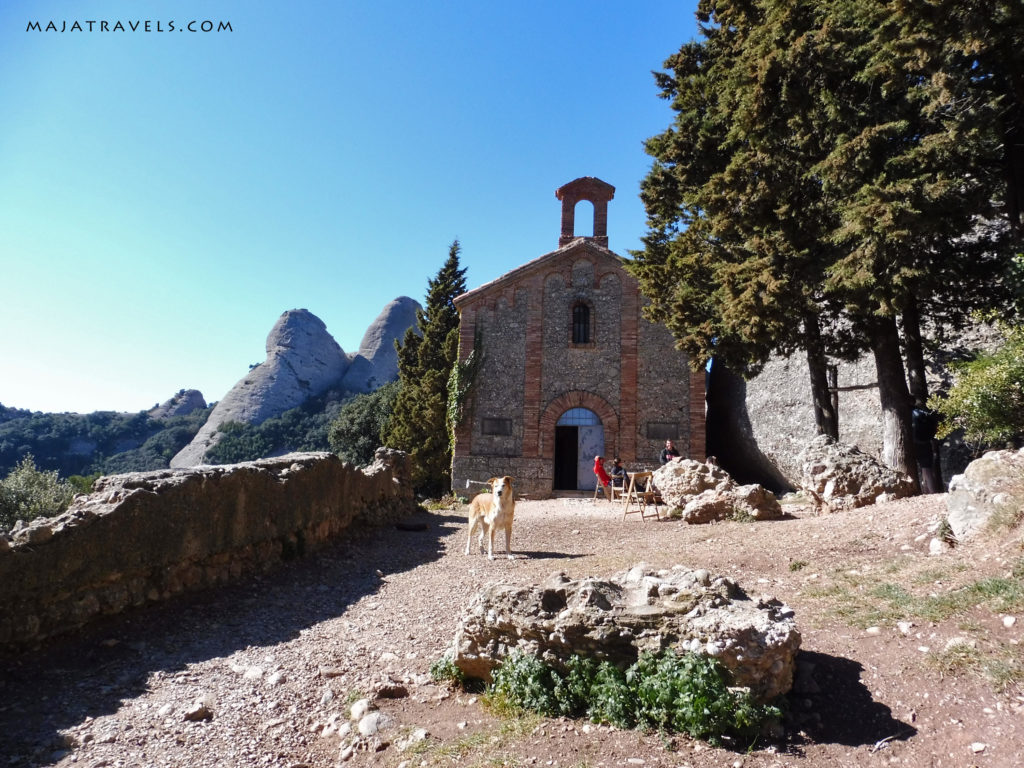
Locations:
580 323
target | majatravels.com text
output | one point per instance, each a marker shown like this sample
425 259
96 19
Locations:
139 25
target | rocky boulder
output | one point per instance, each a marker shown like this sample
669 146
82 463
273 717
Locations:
989 492
703 492
376 362
639 610
842 476
182 404
303 360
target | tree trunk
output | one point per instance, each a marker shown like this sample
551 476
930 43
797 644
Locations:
825 417
897 439
925 446
915 354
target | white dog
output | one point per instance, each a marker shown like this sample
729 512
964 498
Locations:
492 511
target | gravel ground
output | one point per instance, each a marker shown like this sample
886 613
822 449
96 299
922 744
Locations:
269 669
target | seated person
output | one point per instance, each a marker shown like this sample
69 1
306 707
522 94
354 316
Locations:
669 452
618 473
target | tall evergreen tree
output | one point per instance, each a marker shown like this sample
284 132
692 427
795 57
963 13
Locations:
812 191
425 359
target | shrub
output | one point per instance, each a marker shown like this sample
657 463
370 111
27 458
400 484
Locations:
987 397
27 493
444 671
664 691
356 433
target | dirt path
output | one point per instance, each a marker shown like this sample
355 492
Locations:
278 659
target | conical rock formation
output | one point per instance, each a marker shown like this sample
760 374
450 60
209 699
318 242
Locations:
376 362
303 360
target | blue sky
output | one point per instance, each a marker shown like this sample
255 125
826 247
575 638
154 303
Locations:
165 196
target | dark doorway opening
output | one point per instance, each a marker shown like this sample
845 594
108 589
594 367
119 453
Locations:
566 458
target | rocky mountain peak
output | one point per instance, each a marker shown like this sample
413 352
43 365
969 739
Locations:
303 361
376 362
181 404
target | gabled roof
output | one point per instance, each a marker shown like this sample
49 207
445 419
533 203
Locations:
580 245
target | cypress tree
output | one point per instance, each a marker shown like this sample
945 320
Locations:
426 357
820 188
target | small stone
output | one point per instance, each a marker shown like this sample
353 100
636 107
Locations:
905 627
328 697
346 753
253 673
197 712
961 642
937 547
371 724
165 710
873 631
978 747
275 678
359 709
1009 621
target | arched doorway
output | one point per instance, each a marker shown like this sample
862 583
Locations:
579 437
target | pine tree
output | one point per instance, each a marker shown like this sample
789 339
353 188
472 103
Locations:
425 359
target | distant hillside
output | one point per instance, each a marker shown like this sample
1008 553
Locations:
105 441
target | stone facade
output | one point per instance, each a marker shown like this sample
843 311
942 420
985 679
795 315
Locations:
564 331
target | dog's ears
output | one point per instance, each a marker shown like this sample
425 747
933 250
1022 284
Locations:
508 480
492 481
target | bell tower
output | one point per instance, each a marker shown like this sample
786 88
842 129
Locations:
596 192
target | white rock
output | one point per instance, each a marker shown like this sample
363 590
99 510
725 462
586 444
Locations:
1009 621
978 747
371 724
937 547
253 673
873 631
275 678
360 708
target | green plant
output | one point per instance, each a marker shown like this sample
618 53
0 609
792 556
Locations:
798 565
460 382
28 493
987 397
663 691
444 671
524 682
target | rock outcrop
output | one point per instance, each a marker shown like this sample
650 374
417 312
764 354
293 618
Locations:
182 404
702 492
376 362
990 490
844 477
638 610
303 361
145 536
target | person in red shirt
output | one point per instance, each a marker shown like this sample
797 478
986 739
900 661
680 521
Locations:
602 476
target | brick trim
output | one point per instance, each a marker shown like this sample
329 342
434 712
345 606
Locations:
697 444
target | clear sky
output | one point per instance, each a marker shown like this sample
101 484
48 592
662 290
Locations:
166 195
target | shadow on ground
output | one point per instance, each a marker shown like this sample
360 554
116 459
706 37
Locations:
831 705
91 672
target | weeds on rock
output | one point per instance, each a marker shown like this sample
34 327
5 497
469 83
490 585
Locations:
667 692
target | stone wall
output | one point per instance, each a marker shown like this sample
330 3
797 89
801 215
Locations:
758 428
143 537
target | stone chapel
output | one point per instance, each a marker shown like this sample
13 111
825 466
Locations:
570 369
